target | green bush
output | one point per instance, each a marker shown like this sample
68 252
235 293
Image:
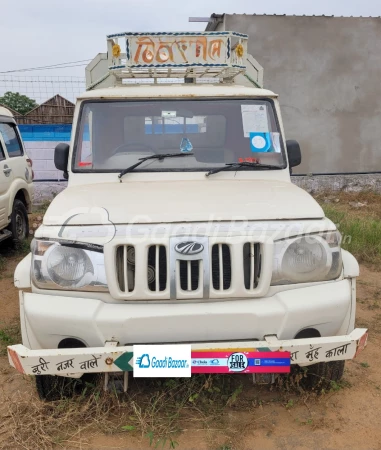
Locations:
361 235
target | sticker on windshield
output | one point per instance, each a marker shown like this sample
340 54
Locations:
249 159
275 142
254 119
260 142
186 145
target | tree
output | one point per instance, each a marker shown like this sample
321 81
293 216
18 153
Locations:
18 102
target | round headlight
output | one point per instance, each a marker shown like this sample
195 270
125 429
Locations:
67 266
306 258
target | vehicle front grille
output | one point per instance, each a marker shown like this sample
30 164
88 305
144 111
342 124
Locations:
221 267
251 264
226 269
189 275
125 267
157 268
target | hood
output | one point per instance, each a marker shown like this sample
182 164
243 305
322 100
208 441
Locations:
181 201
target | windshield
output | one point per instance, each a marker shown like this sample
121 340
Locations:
114 135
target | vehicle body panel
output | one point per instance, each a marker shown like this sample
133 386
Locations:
51 318
15 172
183 201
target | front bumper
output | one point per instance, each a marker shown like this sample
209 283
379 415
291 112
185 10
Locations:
47 320
109 330
112 358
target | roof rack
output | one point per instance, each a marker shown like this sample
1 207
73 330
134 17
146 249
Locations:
221 55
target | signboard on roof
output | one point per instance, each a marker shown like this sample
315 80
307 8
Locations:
224 49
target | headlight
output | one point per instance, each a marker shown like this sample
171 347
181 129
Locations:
59 266
307 259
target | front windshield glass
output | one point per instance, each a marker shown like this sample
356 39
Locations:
114 135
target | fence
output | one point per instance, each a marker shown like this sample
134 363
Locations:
41 88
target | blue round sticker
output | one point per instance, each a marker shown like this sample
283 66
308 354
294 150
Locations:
260 142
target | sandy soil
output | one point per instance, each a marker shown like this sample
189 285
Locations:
264 419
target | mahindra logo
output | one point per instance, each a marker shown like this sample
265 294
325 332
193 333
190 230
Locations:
189 248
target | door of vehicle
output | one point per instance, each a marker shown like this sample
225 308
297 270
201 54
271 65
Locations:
16 160
5 182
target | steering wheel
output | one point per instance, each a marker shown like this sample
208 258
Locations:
131 144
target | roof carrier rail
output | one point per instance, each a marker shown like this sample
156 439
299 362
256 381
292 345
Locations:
221 55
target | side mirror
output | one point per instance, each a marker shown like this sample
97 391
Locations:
61 158
294 154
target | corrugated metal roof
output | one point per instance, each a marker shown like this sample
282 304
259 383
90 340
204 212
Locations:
300 15
216 19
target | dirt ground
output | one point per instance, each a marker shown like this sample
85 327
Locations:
346 417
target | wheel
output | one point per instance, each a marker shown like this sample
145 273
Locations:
52 388
19 226
321 375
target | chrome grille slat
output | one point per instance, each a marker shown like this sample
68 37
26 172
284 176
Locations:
188 275
189 270
125 269
157 268
251 263
221 267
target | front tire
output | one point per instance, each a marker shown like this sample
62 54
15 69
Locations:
52 388
19 226
322 376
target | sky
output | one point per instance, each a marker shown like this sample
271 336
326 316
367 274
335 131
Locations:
37 33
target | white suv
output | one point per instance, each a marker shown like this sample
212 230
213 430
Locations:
16 186
180 225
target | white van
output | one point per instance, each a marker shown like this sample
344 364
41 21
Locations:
180 225
16 181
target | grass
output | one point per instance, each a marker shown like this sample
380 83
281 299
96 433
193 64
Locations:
9 335
29 423
156 409
41 208
362 237
9 252
22 248
360 226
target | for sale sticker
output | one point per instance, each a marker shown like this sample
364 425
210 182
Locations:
162 360
240 362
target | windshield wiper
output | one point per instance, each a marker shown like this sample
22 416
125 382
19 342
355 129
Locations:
235 166
159 156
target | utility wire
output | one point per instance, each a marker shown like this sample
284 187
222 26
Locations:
53 66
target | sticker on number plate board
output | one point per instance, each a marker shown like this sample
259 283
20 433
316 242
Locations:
228 361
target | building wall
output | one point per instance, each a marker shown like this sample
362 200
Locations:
42 155
40 142
327 71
